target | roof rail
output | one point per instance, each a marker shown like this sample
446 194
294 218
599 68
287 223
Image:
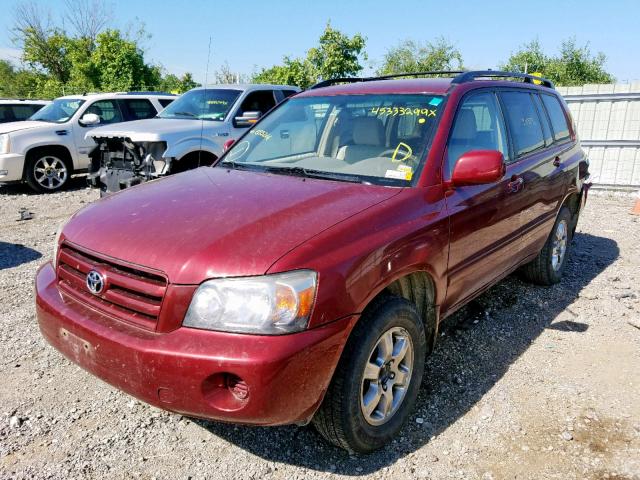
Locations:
148 93
24 99
459 76
334 81
475 74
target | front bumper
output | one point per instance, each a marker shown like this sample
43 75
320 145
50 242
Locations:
186 370
11 167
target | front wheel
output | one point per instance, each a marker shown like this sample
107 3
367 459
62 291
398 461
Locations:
47 173
548 266
376 383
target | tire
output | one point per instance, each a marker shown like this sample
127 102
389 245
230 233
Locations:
342 419
548 266
47 172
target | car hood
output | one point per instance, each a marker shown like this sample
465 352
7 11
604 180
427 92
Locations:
214 222
154 129
25 125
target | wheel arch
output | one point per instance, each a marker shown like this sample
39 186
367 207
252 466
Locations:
193 160
419 288
60 150
572 201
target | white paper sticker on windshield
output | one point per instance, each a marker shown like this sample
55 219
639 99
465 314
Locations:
400 175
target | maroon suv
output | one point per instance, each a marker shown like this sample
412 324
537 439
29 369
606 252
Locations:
303 277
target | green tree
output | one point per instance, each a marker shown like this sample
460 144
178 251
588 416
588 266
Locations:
337 55
19 83
90 58
120 64
294 71
411 56
575 64
174 84
7 78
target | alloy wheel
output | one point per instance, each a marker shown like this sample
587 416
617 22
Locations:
386 376
559 245
50 172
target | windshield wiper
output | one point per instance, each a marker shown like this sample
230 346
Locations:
309 173
185 114
236 165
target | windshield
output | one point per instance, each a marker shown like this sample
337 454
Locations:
59 111
380 139
202 104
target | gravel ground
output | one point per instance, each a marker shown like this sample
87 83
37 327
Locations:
527 382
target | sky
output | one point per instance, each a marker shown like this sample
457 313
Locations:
251 34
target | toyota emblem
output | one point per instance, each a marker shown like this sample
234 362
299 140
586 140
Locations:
95 282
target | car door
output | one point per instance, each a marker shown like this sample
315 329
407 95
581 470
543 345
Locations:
538 170
109 112
257 100
484 219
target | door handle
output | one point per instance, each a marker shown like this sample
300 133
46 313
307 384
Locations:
515 185
556 162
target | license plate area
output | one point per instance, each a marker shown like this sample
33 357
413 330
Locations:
76 346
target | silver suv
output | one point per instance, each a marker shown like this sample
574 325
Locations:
190 132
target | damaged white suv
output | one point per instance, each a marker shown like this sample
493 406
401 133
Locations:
47 149
189 133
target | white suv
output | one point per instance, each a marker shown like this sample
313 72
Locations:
16 110
52 145
191 132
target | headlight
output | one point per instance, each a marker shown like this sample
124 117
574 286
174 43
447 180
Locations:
56 245
5 144
268 305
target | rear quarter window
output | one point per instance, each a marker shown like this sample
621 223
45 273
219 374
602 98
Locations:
524 122
6 114
557 116
22 112
164 102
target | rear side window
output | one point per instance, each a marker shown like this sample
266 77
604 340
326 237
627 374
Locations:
6 115
546 128
22 112
557 116
139 109
164 102
524 123
478 126
288 93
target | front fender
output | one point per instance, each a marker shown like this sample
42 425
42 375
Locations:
24 145
195 144
361 256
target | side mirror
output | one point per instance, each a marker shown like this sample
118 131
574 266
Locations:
90 119
478 167
228 144
247 119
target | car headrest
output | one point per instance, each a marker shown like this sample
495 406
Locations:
466 128
368 131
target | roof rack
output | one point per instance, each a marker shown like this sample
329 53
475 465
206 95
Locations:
335 81
150 93
24 99
475 74
459 76
84 94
